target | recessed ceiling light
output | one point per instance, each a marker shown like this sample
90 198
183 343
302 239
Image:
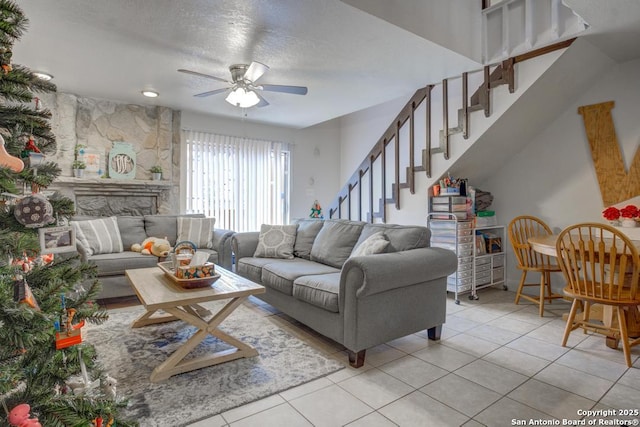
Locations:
150 93
43 76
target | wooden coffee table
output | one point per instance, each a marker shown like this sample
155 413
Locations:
158 293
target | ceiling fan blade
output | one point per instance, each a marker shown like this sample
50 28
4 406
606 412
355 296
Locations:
211 92
296 90
206 76
255 71
263 102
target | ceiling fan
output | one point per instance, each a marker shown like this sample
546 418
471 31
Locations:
243 90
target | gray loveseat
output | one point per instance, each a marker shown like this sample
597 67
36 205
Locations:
358 301
112 263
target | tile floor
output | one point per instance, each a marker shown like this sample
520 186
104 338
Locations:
497 364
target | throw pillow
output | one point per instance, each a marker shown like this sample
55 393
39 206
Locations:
308 229
374 244
335 241
196 230
276 241
99 236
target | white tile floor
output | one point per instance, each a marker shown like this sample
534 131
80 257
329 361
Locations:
497 364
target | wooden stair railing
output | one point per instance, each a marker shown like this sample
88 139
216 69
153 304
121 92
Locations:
493 76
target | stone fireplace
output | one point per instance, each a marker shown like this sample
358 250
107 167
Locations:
107 197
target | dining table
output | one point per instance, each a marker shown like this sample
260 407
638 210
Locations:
546 245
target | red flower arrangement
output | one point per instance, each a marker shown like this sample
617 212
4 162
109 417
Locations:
629 211
611 213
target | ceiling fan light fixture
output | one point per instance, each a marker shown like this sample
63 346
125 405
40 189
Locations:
240 97
150 93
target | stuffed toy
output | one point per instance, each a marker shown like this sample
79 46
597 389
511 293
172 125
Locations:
153 246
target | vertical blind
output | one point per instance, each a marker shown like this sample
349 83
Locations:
241 182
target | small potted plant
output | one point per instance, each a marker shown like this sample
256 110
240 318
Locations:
78 168
156 172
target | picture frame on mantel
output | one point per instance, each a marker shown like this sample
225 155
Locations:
93 160
122 161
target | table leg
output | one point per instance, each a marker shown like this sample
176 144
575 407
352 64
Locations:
175 363
148 318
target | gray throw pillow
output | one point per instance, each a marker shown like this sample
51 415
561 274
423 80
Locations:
401 237
308 229
131 230
199 231
98 236
276 241
374 244
335 241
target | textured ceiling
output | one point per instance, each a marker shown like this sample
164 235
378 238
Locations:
348 59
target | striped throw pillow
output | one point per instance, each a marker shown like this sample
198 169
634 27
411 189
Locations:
99 236
196 230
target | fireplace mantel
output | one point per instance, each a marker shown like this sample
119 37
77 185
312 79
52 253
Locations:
95 186
104 196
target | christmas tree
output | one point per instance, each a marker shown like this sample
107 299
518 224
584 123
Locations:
44 300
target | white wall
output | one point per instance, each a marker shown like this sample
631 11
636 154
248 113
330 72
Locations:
454 24
315 169
553 177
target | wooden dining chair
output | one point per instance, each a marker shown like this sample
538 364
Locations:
530 261
601 266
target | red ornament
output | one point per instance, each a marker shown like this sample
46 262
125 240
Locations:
31 145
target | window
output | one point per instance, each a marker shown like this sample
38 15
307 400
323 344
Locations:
241 182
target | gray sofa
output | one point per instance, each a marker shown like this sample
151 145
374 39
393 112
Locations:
135 229
358 301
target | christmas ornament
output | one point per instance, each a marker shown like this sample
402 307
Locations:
108 385
9 161
34 211
67 333
30 147
20 417
22 293
5 59
82 385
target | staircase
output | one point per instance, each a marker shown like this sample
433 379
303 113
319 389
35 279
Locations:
414 141
419 139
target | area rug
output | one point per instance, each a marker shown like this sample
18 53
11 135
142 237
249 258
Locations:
130 355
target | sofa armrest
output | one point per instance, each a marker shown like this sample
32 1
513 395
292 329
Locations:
384 272
221 243
82 252
244 244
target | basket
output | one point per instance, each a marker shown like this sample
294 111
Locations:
188 283
184 251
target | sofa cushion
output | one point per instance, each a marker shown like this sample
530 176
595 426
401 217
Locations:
131 230
164 226
374 244
251 268
308 229
199 231
335 241
116 263
276 241
280 274
401 237
98 236
319 290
